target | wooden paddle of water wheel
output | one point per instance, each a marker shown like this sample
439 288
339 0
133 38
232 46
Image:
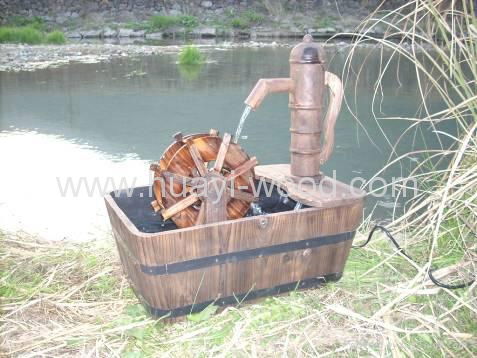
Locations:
202 179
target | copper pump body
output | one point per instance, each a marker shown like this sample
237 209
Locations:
306 86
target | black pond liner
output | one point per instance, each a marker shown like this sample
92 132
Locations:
136 204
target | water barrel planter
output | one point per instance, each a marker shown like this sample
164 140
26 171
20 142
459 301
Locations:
175 271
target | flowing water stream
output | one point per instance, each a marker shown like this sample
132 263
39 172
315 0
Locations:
68 134
243 118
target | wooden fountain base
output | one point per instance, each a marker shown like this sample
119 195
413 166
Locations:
178 271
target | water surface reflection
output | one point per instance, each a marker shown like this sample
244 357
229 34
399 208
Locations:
110 119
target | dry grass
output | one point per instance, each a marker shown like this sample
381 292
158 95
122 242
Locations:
62 299
439 38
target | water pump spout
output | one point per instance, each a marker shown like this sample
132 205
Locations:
312 138
266 86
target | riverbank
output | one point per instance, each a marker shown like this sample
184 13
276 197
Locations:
17 57
252 19
30 58
60 298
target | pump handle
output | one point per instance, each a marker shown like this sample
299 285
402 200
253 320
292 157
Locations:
336 97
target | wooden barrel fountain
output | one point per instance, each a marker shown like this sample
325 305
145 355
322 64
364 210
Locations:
251 230
177 271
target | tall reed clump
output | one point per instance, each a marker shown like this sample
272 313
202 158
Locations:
29 30
439 38
55 37
25 35
164 22
191 55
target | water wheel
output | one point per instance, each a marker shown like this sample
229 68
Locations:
203 178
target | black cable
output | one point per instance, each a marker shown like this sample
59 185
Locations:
401 250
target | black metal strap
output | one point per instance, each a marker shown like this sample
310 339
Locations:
202 262
238 298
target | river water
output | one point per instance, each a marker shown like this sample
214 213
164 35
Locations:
103 123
